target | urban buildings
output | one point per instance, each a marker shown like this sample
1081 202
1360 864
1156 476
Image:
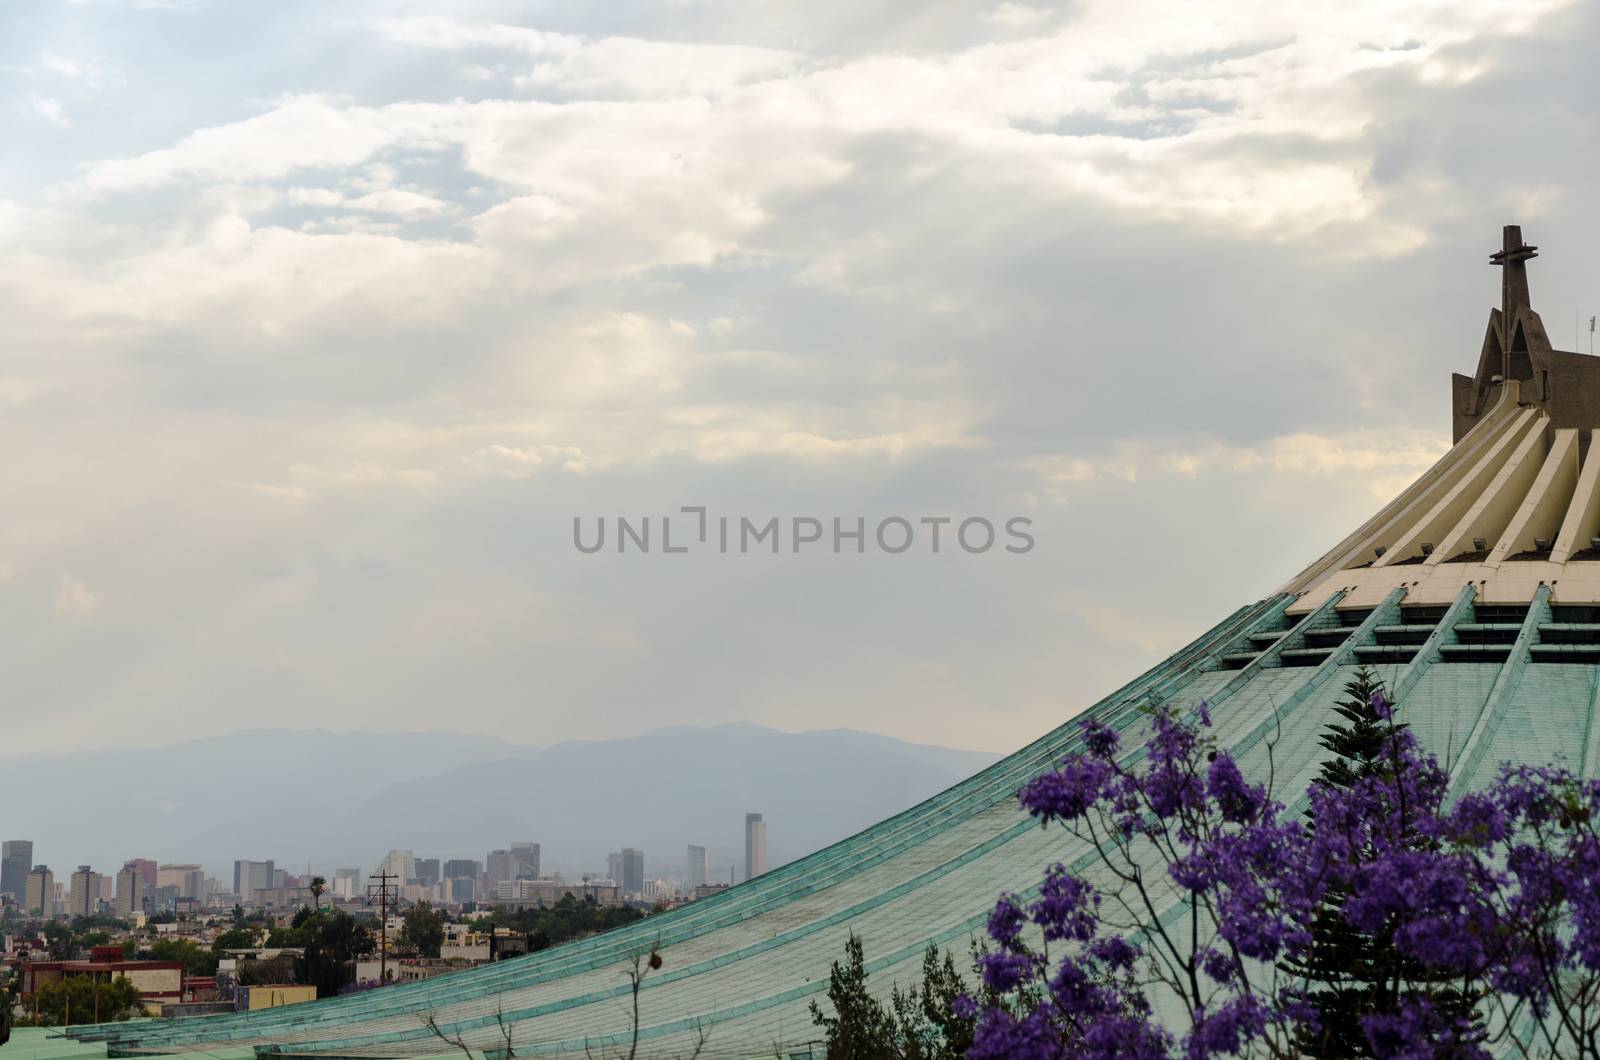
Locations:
525 861
498 867
699 867
252 876
632 871
189 880
755 846
83 895
130 890
39 891
401 864
16 859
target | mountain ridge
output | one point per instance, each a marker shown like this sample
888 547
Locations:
332 798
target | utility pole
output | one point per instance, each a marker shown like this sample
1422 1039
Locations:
385 892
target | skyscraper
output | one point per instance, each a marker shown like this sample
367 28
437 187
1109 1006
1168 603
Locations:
190 880
130 890
250 877
498 868
39 891
632 871
401 863
16 858
614 868
699 866
83 896
525 860
428 871
147 871
755 845
462 869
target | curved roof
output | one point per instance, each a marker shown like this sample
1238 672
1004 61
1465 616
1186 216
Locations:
1471 594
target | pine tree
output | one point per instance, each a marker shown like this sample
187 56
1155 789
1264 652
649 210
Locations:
1354 974
860 1028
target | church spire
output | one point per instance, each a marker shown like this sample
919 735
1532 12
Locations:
1512 259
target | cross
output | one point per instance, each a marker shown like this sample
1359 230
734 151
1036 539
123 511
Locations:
1514 272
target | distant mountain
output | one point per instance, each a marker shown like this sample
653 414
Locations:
334 799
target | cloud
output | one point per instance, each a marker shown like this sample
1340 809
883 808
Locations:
49 109
314 374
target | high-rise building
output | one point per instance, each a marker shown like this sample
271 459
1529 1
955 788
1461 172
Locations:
462 869
498 868
525 860
190 880
427 871
401 864
16 859
147 871
130 890
614 868
39 891
755 845
699 866
83 897
250 877
632 871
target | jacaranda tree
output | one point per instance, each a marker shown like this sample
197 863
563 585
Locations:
1204 919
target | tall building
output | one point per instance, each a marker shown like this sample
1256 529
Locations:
498 867
699 866
252 876
525 860
428 871
632 871
147 871
130 890
190 880
400 863
39 891
462 869
83 896
755 845
1474 594
614 868
16 859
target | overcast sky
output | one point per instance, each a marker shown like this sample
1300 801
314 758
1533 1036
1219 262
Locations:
320 323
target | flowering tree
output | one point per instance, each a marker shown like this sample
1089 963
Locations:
1385 922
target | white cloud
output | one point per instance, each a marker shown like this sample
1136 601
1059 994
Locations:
49 109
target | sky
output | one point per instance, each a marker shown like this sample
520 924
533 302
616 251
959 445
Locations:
324 322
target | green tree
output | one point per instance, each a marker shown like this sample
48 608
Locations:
859 1028
269 971
238 938
570 918
1352 974
334 940
927 1026
80 999
422 929
197 960
319 886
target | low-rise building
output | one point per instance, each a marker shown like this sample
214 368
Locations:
251 998
158 982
